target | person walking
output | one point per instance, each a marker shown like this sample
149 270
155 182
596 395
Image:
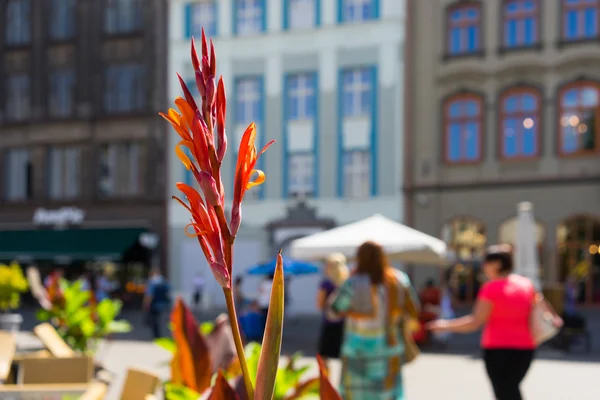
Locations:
332 327
504 308
156 301
375 299
198 290
264 294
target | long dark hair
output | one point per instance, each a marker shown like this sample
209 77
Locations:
371 260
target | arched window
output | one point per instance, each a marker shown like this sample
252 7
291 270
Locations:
521 23
507 233
578 240
520 119
464 28
466 238
580 19
463 128
579 106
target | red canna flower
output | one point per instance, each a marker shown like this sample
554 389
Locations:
206 228
247 157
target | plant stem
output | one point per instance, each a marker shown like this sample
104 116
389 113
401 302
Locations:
237 338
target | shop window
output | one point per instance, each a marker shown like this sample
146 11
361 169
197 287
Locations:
508 234
578 240
466 238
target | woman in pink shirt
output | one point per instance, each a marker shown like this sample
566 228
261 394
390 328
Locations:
504 305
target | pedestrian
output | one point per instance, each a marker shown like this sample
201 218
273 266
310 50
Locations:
198 290
446 307
264 294
238 294
376 299
156 301
504 308
105 284
332 327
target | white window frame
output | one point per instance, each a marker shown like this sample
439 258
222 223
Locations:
248 94
304 173
249 17
302 14
357 87
357 178
112 182
357 7
304 91
204 15
16 179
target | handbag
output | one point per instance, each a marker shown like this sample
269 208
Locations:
542 323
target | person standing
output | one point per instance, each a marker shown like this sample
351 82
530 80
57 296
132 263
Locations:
332 328
198 290
504 308
446 307
375 300
156 301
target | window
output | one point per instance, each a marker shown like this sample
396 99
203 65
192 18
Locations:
64 166
248 108
580 19
464 29
466 238
62 19
520 23
17 31
578 118
301 96
202 15
125 90
18 175
301 174
357 92
120 170
520 119
248 101
358 10
62 94
18 98
578 238
250 17
463 128
357 173
123 16
301 14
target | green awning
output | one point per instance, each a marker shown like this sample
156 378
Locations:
74 244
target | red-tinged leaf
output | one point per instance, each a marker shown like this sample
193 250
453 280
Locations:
271 346
303 388
189 97
327 391
222 347
192 351
222 390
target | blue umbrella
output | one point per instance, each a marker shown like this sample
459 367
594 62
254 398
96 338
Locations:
290 267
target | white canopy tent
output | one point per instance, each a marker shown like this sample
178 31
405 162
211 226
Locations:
400 242
526 256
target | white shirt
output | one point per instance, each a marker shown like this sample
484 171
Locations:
198 283
264 294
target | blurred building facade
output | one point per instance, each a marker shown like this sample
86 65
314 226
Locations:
503 102
323 78
81 146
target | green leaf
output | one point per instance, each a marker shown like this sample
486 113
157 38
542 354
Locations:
88 328
106 311
271 347
167 344
179 392
120 326
206 328
77 318
252 352
43 315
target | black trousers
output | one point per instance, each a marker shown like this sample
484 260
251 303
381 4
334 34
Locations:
506 369
154 322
